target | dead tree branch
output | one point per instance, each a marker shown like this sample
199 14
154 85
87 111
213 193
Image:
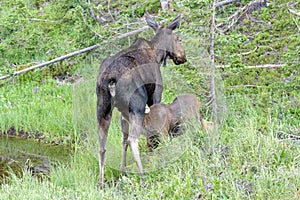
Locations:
241 13
165 4
294 12
297 14
43 20
269 66
225 2
213 72
284 135
135 31
50 62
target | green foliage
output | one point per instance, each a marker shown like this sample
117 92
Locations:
268 35
36 31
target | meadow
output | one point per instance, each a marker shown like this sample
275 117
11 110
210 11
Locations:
246 159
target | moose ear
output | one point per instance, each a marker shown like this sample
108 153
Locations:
174 24
150 21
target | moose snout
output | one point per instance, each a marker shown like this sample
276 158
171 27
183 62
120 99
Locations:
179 59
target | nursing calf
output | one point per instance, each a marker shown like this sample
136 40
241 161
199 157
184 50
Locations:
169 120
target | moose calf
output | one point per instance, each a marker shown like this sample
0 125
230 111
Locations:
169 119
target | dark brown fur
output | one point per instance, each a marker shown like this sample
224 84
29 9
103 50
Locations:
131 79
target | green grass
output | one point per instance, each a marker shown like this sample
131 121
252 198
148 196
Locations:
245 164
247 160
30 106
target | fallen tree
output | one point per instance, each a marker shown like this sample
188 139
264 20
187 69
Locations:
50 62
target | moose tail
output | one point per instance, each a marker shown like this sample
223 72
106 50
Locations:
112 88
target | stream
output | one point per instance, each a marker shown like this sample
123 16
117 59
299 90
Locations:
18 154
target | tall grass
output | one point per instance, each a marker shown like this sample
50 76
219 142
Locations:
247 160
245 164
34 106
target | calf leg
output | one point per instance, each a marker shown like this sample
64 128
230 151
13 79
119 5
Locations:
125 130
136 128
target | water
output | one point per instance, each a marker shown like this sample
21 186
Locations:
19 154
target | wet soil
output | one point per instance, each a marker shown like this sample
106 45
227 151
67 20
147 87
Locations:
21 151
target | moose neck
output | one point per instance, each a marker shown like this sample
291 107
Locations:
160 48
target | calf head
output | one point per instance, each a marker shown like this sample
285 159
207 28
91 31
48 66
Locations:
166 43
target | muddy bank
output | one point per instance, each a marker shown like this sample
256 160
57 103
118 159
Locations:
35 135
21 133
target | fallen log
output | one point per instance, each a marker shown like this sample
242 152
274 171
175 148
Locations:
50 62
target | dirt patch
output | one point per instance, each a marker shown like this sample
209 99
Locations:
21 133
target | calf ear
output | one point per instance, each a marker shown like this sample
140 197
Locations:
150 21
174 24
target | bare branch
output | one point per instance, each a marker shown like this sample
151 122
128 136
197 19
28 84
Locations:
75 52
294 12
284 135
135 31
225 2
51 61
238 15
269 66
212 63
165 4
249 52
297 14
42 20
213 75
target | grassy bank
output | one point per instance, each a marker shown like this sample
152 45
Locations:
246 164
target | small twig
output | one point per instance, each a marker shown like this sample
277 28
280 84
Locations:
109 11
121 36
249 52
298 14
41 20
61 98
239 86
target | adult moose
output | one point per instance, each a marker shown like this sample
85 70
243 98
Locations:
131 79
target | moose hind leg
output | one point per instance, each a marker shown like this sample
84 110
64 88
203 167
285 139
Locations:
136 128
103 125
